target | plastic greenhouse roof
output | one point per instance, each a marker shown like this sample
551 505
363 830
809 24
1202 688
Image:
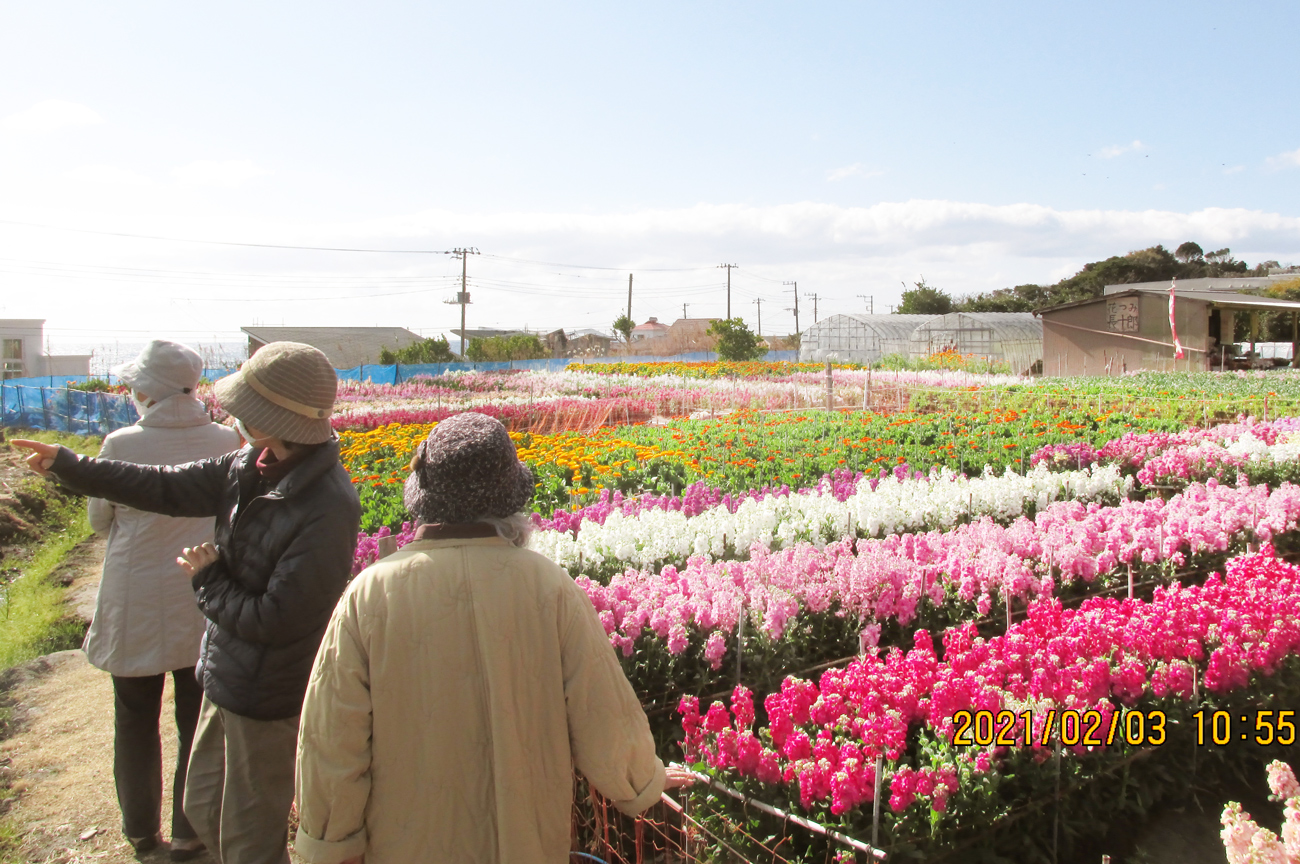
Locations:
1006 326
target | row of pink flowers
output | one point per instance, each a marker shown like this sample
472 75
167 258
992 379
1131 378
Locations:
880 579
1192 454
822 738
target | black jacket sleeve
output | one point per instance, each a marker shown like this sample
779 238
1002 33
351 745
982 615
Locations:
302 592
192 489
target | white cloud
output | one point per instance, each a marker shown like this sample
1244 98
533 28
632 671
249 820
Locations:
108 175
1120 150
857 169
207 172
50 116
1290 159
837 252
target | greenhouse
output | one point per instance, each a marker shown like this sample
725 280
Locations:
1014 338
859 338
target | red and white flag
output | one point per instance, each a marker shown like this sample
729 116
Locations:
1173 325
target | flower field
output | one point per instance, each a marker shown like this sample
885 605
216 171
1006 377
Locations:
967 594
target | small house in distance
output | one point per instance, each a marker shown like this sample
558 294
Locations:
1127 328
346 347
21 340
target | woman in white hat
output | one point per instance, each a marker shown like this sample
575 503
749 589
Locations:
146 623
286 530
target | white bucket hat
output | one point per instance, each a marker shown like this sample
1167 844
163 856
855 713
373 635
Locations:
163 369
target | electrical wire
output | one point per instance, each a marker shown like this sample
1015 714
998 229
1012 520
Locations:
225 242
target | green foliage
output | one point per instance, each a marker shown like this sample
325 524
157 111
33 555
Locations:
924 300
624 326
735 340
1155 264
521 346
427 351
97 385
34 620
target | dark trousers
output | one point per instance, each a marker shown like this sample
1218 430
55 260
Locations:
137 750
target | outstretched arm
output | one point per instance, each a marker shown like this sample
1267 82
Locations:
193 489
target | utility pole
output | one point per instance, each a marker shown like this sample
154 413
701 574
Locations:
463 297
684 305
795 288
758 301
728 266
629 296
871 303
814 299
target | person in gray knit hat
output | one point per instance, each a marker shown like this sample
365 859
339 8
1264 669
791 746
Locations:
285 533
502 659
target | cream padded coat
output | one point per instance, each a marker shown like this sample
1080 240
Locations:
458 685
146 620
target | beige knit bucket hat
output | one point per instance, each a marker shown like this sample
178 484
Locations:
286 389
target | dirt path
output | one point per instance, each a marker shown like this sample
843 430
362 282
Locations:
60 760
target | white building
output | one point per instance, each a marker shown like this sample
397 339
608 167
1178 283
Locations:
21 341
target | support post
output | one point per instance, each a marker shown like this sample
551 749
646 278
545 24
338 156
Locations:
829 382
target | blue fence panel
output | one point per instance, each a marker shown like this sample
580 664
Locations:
62 409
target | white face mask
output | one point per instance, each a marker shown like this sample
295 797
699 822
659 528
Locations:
142 407
259 443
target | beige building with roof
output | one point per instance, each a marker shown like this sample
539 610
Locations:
346 347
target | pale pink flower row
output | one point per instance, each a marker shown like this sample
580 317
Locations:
881 579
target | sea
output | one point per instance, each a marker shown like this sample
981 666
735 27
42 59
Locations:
104 355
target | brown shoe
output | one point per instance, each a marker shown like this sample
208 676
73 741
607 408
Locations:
145 845
187 850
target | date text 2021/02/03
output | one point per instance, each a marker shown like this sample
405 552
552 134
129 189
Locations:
1092 728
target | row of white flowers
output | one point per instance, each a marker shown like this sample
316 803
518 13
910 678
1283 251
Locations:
655 537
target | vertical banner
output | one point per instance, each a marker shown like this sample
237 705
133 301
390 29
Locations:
1173 325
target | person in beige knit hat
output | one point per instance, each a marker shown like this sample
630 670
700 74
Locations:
286 527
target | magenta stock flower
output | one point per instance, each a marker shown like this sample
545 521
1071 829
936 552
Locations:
823 738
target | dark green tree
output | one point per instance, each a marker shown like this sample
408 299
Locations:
924 300
498 349
1155 264
624 325
735 340
426 351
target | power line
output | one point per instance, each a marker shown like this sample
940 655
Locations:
90 269
594 267
225 242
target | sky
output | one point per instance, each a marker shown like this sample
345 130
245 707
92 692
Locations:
851 148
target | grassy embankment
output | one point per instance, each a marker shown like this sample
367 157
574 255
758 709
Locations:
45 525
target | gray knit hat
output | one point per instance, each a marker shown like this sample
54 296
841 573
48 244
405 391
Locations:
163 369
467 469
286 389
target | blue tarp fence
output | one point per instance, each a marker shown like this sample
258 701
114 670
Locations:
49 403
62 409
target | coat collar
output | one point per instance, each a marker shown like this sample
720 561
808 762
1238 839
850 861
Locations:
176 412
454 531
322 459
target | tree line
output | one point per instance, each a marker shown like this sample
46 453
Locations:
1154 264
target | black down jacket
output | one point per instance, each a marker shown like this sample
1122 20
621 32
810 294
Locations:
286 557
